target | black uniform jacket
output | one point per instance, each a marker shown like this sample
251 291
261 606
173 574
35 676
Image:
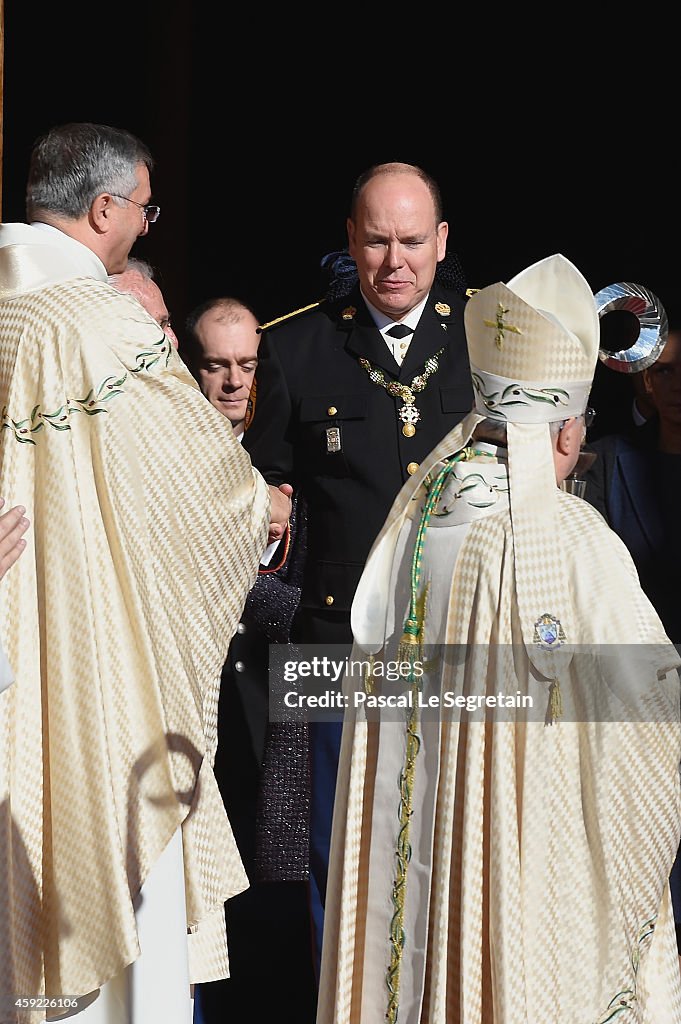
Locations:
313 397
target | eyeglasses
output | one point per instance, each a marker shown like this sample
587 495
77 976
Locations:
589 416
150 212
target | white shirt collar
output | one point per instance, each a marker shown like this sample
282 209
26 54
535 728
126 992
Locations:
83 259
397 346
36 256
383 322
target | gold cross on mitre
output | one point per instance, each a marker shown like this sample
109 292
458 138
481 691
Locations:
501 326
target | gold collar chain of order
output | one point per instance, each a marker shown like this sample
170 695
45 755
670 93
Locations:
409 414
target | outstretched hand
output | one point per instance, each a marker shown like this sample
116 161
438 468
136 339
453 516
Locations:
13 525
280 499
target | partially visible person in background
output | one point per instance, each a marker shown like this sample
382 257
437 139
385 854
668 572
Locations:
117 853
226 377
261 767
221 350
635 483
139 281
621 401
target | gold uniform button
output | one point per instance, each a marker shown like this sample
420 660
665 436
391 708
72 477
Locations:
412 467
328 599
331 411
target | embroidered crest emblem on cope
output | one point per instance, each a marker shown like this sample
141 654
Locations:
548 632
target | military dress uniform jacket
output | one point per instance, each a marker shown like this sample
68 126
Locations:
323 425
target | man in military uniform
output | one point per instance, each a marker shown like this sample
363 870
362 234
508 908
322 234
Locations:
352 394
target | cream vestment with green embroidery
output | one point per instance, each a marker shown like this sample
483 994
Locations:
147 526
518 873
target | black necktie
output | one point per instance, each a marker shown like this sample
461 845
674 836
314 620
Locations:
399 331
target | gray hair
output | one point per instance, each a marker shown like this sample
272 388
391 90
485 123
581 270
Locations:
73 163
141 266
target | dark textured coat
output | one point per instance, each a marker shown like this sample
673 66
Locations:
309 379
634 488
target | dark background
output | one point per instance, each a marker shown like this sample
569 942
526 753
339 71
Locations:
259 126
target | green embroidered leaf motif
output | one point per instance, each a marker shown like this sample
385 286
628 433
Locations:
625 999
21 440
477 384
475 479
539 397
92 404
610 1014
58 415
647 929
145 360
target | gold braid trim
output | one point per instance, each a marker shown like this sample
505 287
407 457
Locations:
271 323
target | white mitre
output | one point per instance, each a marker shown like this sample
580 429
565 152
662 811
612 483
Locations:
533 346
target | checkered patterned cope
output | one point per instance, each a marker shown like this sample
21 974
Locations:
147 526
547 892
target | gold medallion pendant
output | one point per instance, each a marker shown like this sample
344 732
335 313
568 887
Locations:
408 414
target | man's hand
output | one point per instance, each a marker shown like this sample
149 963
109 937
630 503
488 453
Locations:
280 499
12 525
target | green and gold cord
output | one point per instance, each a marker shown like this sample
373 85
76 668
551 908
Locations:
409 653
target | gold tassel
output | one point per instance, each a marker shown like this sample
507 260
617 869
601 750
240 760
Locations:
555 702
409 648
369 676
